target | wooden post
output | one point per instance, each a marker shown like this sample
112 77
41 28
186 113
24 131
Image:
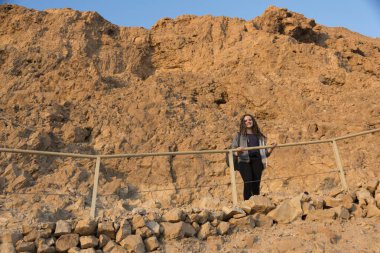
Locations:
233 179
339 165
95 189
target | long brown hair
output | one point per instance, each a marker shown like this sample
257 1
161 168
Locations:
255 127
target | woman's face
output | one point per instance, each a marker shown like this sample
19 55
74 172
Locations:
248 121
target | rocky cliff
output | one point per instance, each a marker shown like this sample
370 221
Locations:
73 82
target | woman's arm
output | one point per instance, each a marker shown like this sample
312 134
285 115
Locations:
269 151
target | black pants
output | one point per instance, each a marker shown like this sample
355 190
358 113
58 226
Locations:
251 174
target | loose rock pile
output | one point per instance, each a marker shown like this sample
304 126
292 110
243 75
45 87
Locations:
146 230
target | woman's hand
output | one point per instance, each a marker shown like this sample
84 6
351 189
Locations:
274 144
239 150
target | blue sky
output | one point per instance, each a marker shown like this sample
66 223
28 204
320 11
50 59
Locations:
362 16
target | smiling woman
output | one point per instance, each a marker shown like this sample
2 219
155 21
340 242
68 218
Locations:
145 13
251 163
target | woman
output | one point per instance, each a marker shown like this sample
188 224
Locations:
252 162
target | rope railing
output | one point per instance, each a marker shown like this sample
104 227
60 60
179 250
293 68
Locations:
98 158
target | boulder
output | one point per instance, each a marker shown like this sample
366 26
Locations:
288 210
103 240
35 234
137 221
341 200
154 227
364 197
177 230
67 241
174 215
206 230
244 222
144 232
260 204
7 247
112 247
133 243
62 227
262 220
151 243
124 230
86 227
106 228
88 241
342 212
372 211
89 250
22 246
223 228
10 237
230 212
372 185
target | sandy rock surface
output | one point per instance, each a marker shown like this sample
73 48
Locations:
73 82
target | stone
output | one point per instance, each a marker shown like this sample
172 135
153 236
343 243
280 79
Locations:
306 207
144 232
223 228
35 234
48 225
215 222
103 240
239 215
246 207
112 246
321 214
357 211
74 250
66 241
62 227
218 215
245 222
86 227
151 243
107 228
26 229
188 230
10 237
261 220
287 211
343 200
196 226
133 243
124 230
173 215
342 212
154 227
372 211
88 241
137 222
230 212
260 204
7 247
206 230
372 185
364 197
177 230
45 245
318 202
22 246
204 216
88 250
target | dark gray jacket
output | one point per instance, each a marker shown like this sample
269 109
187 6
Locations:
244 156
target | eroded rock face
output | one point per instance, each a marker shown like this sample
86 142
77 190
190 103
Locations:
73 82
